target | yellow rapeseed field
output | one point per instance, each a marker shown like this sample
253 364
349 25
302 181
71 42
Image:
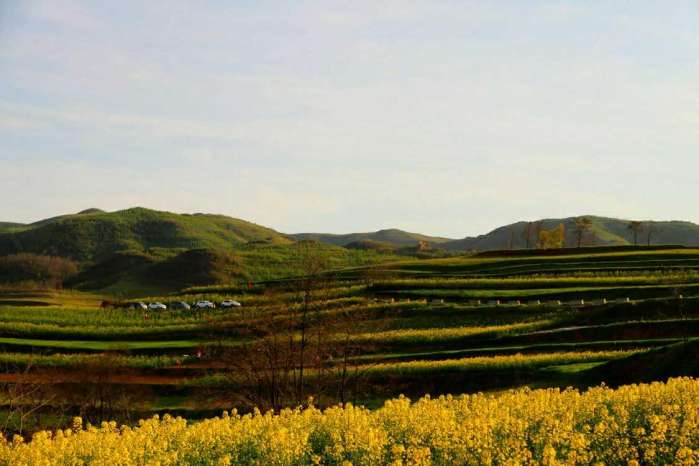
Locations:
654 424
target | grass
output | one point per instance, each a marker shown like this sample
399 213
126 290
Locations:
402 345
100 345
542 281
97 235
101 332
29 296
67 316
568 293
19 361
602 345
432 336
609 261
492 363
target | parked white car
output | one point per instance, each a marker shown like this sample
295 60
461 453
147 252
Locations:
230 303
157 307
204 305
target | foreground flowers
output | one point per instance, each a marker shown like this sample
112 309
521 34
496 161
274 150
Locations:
639 424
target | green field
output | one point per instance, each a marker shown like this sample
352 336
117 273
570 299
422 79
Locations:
407 326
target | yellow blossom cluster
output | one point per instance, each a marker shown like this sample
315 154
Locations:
654 424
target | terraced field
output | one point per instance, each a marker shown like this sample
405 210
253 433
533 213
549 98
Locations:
414 327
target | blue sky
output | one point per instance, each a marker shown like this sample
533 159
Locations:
443 117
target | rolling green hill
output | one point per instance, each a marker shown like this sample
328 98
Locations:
603 232
393 237
137 251
94 235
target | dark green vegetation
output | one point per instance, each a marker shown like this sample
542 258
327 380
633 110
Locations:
457 324
10 226
26 267
141 251
367 317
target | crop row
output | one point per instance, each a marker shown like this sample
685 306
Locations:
22 361
538 282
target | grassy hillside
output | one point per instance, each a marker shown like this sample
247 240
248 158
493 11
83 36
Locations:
132 273
141 251
603 232
393 237
94 235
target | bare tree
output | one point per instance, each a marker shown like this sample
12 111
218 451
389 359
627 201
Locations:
286 340
531 231
263 368
679 304
301 348
651 228
101 389
314 266
511 241
636 228
25 398
582 226
527 234
346 371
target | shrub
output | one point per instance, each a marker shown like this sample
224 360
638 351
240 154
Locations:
49 270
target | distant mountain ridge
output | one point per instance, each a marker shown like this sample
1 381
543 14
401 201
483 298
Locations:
139 250
93 234
392 236
603 231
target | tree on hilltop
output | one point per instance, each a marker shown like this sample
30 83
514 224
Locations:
582 226
531 230
651 228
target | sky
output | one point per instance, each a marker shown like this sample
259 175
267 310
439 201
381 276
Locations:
441 117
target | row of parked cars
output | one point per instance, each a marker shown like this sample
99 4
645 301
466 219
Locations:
181 305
